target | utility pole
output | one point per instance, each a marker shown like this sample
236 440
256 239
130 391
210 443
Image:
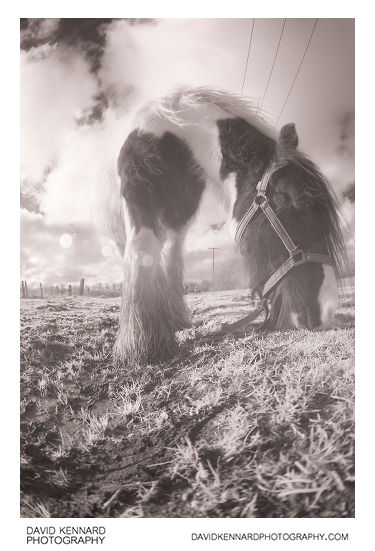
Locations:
213 249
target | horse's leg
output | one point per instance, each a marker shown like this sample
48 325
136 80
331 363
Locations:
174 271
147 316
161 186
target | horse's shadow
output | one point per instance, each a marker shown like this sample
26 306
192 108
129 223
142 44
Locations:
241 329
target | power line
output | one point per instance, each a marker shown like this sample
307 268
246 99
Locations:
298 70
248 54
273 65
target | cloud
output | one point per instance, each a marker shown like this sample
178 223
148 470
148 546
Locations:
84 35
349 192
35 32
347 130
230 268
217 226
340 168
55 89
144 62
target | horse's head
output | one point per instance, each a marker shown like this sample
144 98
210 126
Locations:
306 297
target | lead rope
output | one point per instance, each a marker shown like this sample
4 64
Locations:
263 307
245 324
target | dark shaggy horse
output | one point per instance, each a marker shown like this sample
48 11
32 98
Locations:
280 208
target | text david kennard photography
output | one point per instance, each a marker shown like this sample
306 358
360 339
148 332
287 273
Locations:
65 535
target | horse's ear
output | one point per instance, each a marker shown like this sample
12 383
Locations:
287 141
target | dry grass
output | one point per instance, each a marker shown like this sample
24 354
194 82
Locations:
256 426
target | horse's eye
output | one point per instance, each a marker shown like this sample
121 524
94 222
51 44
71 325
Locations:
303 204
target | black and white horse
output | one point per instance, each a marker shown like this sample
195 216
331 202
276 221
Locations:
197 139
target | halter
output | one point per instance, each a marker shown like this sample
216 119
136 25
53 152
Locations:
296 255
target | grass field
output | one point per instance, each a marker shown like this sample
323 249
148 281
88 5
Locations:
260 425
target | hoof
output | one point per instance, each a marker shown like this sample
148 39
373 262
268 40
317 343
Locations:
185 324
143 353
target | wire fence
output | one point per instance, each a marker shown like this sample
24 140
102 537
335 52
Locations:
69 289
34 291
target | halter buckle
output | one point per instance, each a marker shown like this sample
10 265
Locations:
297 255
260 198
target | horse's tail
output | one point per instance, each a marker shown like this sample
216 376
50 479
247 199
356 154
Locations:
107 204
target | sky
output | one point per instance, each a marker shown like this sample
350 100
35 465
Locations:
81 81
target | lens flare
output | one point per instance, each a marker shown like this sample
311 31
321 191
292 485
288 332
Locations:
66 240
107 250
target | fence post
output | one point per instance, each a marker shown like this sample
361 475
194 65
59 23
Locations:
81 286
23 289
70 290
26 290
41 290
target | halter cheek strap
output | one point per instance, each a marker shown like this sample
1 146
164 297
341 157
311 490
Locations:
296 256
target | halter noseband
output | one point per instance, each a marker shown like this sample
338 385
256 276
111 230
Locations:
296 256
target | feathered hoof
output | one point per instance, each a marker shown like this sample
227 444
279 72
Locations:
184 323
142 353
